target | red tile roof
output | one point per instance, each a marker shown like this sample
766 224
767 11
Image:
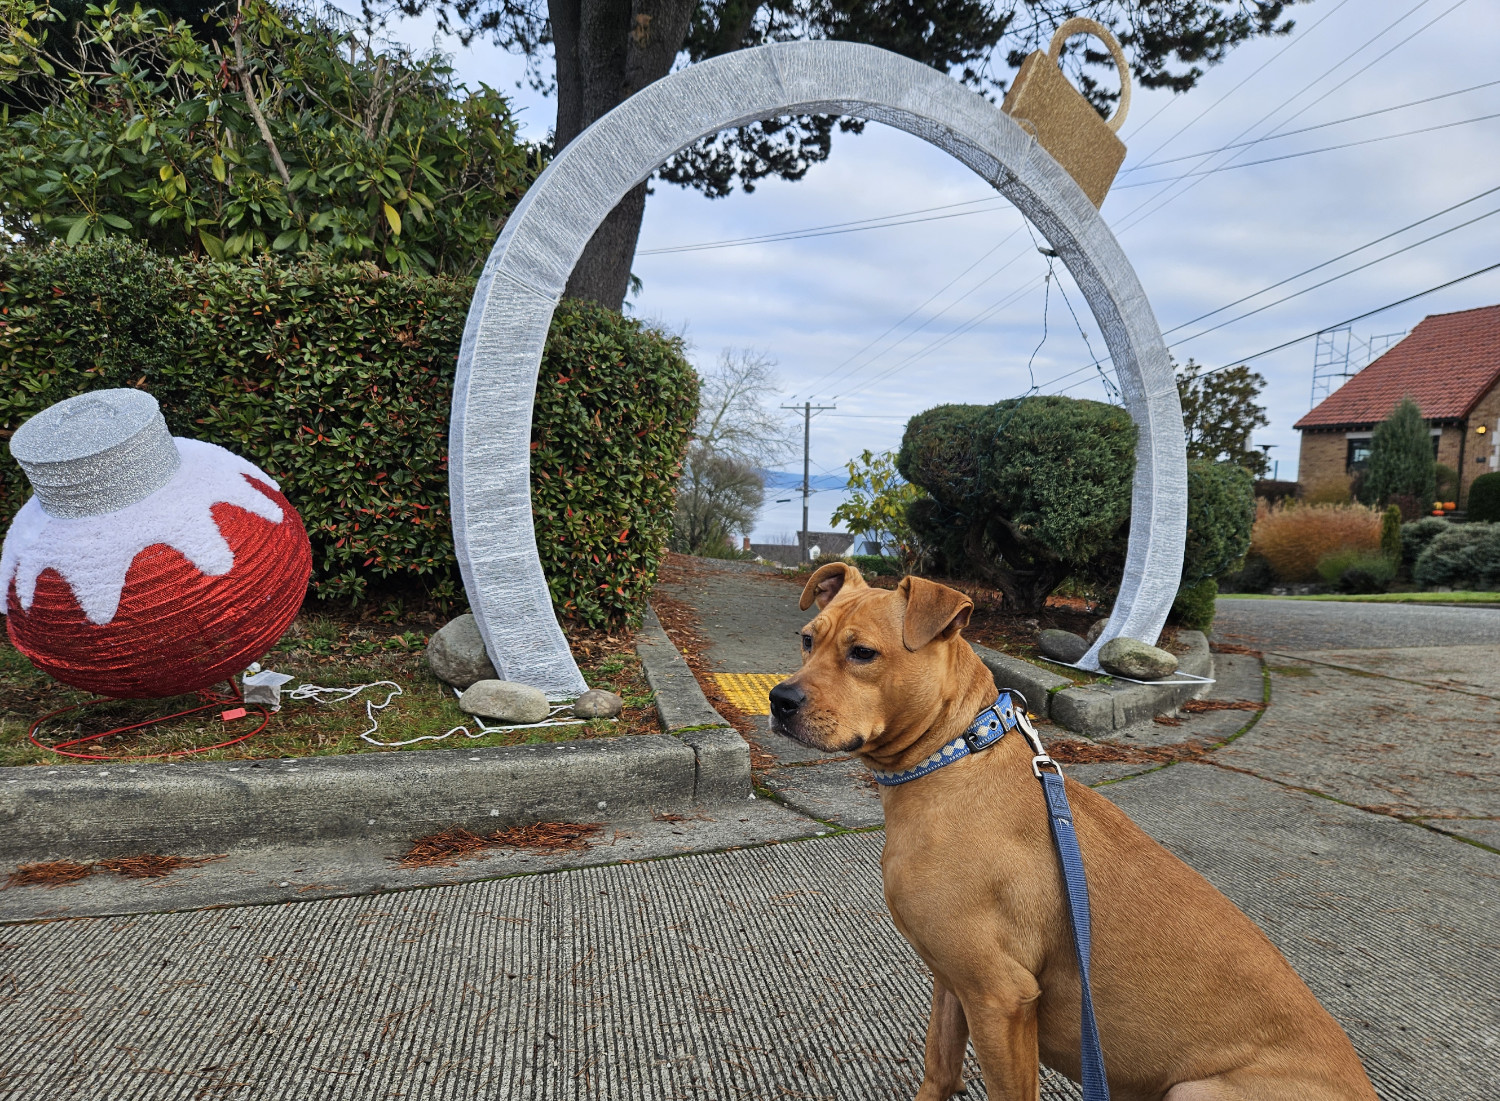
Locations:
1446 365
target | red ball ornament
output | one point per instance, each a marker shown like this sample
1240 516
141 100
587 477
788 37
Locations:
145 565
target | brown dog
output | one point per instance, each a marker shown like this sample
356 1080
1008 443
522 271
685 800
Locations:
1193 1002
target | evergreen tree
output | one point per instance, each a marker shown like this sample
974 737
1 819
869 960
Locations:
1401 459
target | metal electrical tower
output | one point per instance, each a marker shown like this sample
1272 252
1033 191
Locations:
1339 355
808 409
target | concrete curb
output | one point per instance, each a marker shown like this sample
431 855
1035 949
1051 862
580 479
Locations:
117 808
1097 710
680 702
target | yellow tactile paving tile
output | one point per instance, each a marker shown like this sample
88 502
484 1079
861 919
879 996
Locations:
749 691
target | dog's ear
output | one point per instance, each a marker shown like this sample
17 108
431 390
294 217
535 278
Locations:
932 611
828 582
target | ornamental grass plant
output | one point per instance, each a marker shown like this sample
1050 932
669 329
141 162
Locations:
1294 538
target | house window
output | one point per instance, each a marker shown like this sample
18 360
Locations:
1357 457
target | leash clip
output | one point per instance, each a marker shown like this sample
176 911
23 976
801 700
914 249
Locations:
1041 761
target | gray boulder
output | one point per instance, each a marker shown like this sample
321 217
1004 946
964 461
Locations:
1095 630
505 701
596 703
1128 657
456 653
1061 646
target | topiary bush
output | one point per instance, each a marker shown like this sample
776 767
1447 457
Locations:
338 380
1417 536
1483 504
1466 556
1024 492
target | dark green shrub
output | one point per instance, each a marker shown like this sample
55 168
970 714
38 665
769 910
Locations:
1194 606
1401 459
1255 576
1483 504
1221 513
337 380
1024 492
1390 533
1357 571
1467 556
1417 536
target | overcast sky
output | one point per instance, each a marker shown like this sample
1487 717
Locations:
949 307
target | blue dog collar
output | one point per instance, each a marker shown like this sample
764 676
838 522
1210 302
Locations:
991 724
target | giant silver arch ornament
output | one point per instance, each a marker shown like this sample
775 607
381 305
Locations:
489 435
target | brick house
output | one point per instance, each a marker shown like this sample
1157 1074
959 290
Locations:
1450 366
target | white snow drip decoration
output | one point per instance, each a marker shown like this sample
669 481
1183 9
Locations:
93 554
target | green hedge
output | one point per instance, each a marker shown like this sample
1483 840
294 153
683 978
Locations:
1484 498
337 380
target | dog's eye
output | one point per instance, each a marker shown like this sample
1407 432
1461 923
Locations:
807 643
862 654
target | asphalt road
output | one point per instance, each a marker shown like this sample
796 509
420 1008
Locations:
1338 625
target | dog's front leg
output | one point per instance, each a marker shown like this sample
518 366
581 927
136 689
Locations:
947 1039
1005 1040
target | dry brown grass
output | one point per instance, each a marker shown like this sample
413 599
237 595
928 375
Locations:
1293 538
446 849
59 873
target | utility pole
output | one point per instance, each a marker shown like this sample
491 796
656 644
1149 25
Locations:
808 409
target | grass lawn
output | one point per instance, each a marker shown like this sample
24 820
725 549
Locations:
1381 598
326 650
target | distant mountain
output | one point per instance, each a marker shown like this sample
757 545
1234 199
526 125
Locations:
785 479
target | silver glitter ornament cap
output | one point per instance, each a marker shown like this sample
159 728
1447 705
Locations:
96 453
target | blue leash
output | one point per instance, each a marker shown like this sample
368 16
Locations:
992 724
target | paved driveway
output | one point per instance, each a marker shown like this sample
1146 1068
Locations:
1338 625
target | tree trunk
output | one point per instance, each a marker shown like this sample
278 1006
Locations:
607 50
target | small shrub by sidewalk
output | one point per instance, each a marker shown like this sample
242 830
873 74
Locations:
1467 556
1357 571
1417 536
1294 539
1484 499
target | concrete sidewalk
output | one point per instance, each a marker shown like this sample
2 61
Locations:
1355 821
759 973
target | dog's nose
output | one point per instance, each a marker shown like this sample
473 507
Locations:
786 698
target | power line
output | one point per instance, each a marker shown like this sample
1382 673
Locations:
1350 320
1309 152
1306 271
1140 213
1170 198
835 229
1309 129
828 376
1335 278
1334 260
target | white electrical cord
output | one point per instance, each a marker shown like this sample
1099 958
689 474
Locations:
319 694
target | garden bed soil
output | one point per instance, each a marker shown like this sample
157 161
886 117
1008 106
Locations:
335 648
